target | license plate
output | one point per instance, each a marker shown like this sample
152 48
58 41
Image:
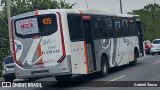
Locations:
10 69
39 72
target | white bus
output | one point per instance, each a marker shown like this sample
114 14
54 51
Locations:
66 42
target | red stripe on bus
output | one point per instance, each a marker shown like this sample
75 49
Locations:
40 54
13 45
86 56
62 38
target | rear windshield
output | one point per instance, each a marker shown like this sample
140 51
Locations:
36 25
8 60
156 42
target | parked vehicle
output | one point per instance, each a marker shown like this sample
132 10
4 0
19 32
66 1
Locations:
155 46
148 46
8 69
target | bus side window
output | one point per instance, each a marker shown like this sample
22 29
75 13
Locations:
124 27
109 26
99 27
103 27
132 27
75 27
117 27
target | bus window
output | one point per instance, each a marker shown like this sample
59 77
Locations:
101 28
132 30
117 27
109 26
124 27
75 27
41 25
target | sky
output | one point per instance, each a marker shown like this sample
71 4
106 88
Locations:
110 5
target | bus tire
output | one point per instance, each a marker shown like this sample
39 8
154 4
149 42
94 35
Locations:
134 62
152 53
8 80
63 77
104 67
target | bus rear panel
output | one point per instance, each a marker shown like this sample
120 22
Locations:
38 45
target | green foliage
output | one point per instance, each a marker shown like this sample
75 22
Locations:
4 45
23 6
150 16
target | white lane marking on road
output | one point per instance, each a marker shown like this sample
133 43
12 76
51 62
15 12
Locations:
156 62
115 79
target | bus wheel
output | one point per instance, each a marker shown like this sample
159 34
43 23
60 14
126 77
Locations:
104 67
8 80
152 53
134 62
63 77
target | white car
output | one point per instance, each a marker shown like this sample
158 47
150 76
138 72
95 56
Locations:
155 47
8 69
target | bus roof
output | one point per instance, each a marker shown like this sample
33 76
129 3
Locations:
77 11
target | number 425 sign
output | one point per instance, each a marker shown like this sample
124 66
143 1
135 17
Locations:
47 21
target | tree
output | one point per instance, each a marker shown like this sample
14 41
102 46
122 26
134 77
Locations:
150 16
22 6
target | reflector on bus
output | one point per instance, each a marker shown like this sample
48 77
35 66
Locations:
86 18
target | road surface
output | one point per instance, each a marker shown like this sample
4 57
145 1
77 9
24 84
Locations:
147 69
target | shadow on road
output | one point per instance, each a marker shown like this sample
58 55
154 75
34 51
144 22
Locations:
84 80
123 67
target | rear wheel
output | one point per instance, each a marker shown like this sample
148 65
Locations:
152 53
63 77
134 62
104 67
8 79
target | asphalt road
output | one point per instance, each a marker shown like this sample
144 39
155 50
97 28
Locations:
147 69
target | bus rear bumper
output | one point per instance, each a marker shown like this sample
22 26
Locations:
63 68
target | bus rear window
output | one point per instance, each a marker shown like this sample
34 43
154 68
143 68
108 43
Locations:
36 25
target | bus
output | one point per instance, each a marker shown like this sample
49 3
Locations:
66 42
